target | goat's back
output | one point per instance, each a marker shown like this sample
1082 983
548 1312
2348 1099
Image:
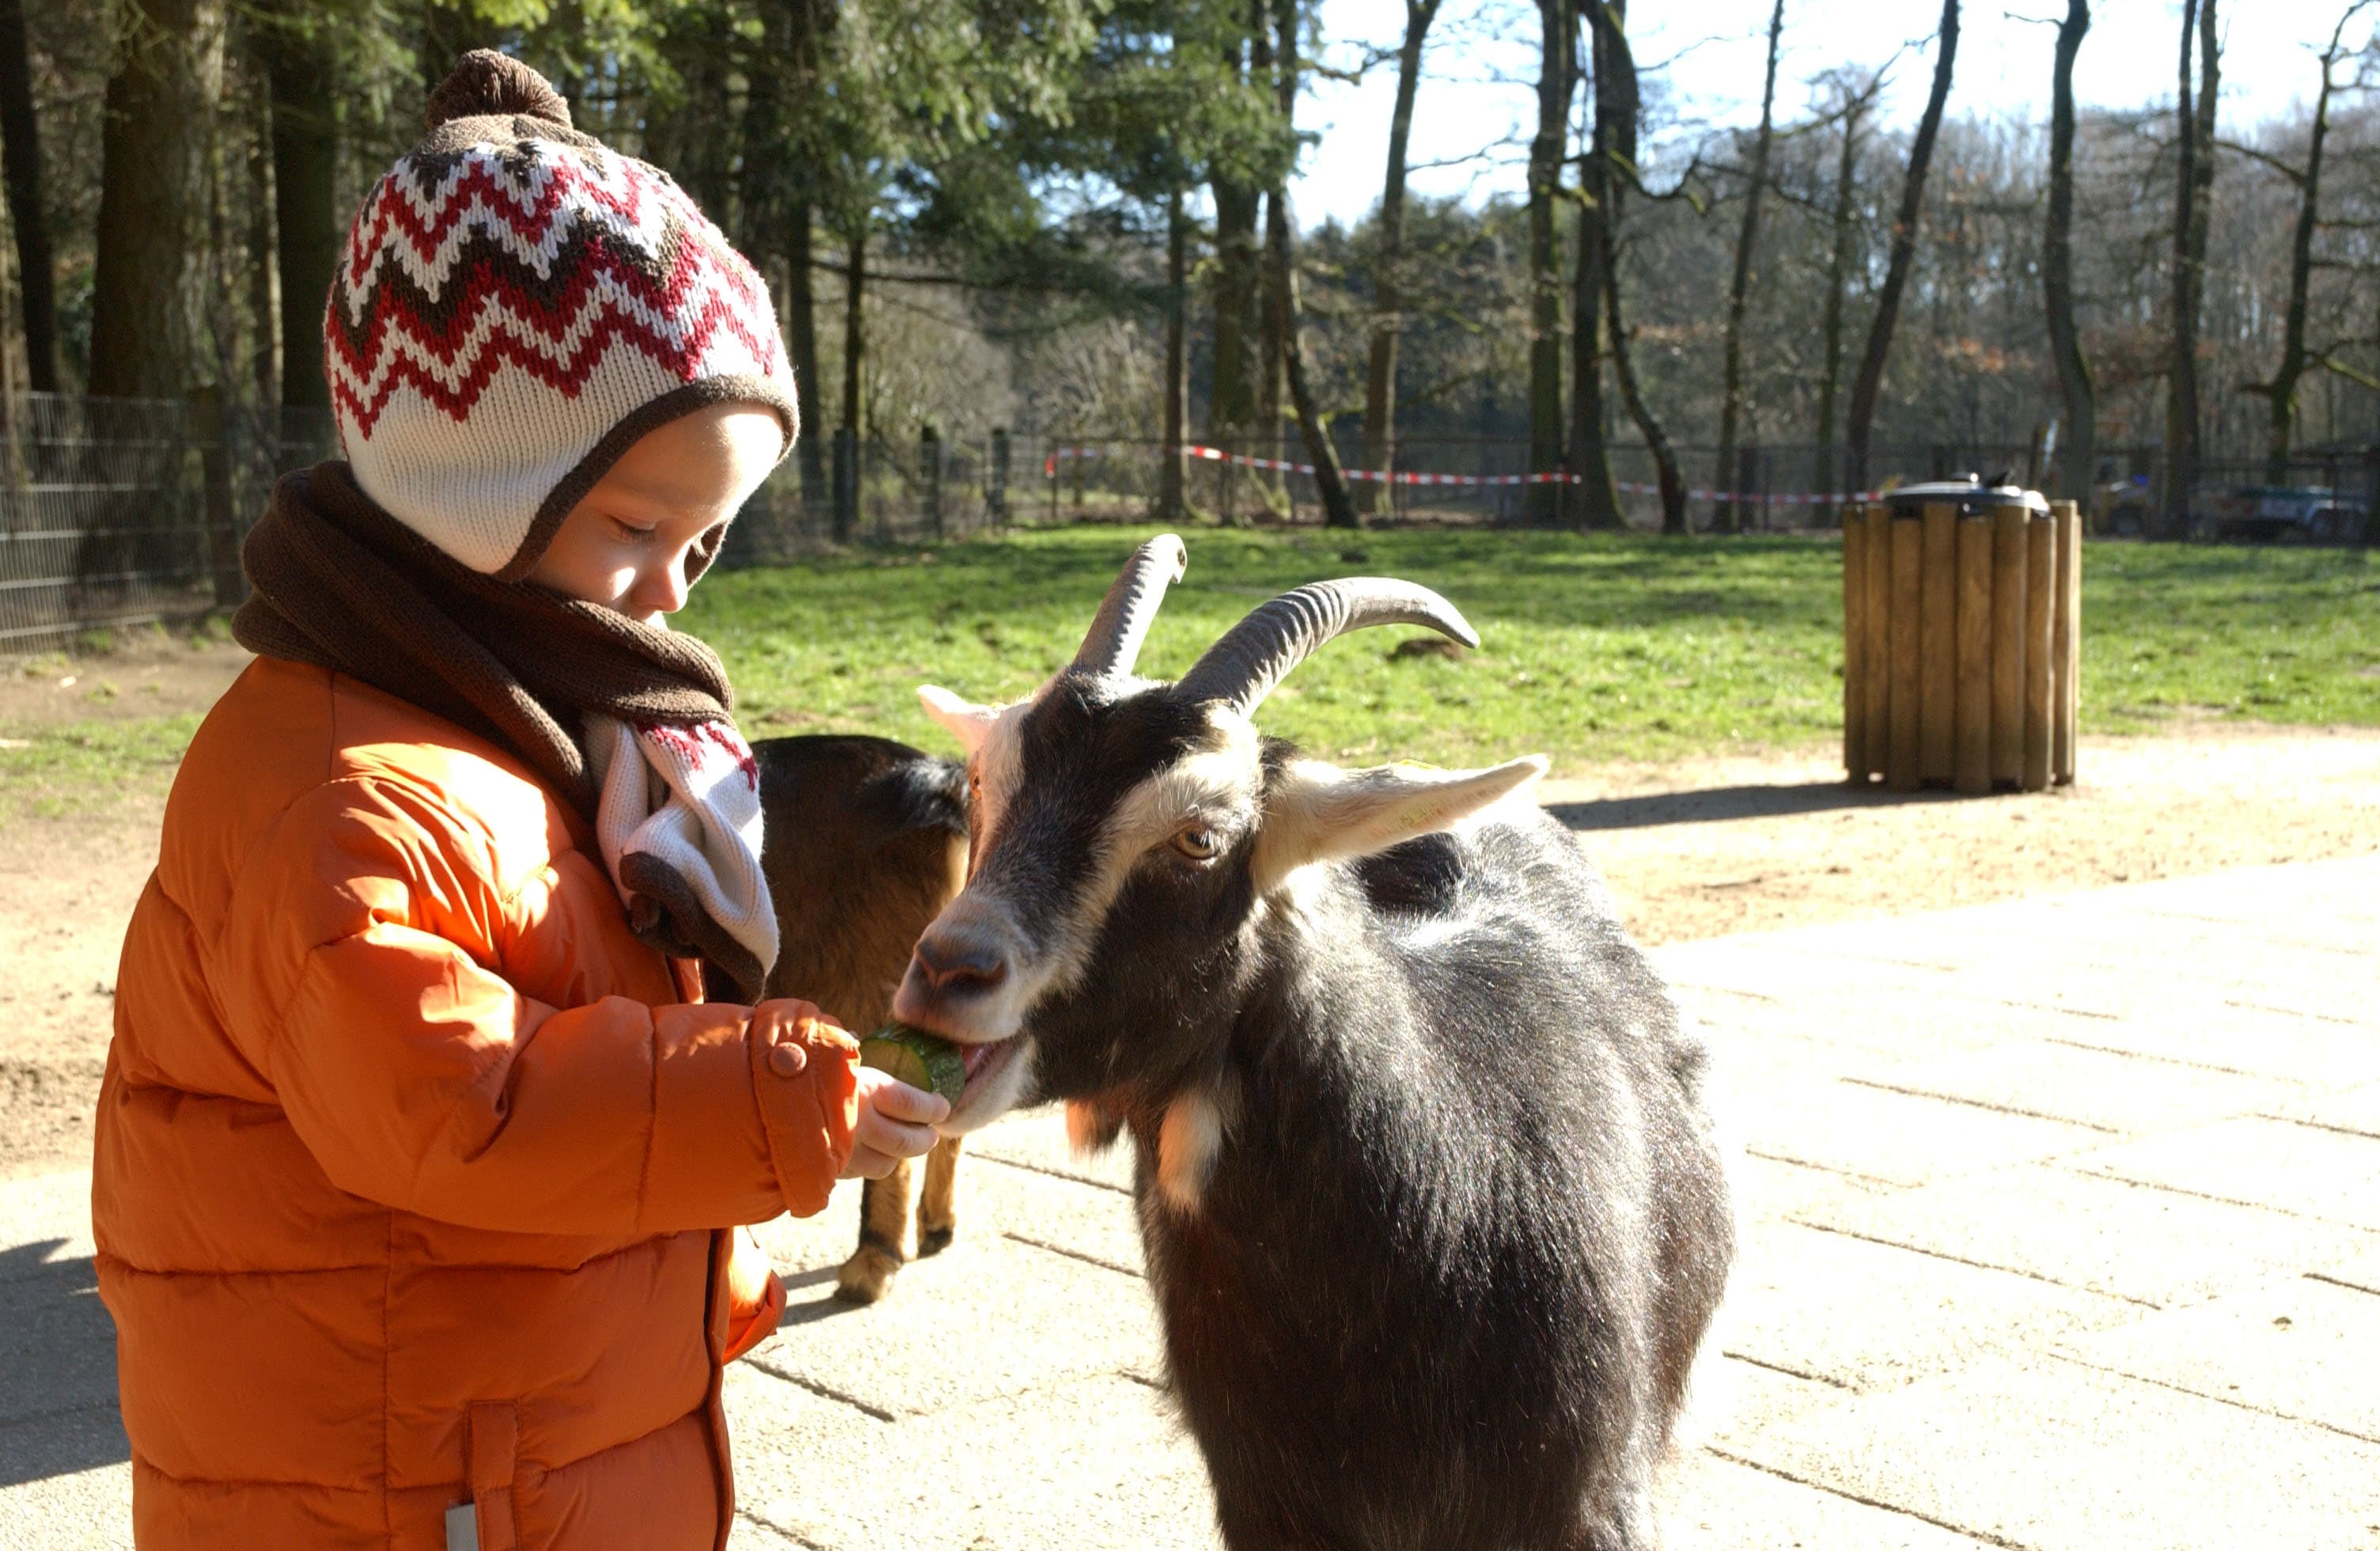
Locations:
865 842
1471 1228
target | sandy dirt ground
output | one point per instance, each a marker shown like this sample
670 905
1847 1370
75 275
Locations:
1698 848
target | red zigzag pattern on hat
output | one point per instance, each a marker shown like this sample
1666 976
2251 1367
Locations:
443 286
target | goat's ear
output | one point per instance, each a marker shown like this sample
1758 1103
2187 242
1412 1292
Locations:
963 720
1318 813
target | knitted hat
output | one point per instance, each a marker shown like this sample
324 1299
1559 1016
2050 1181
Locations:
517 304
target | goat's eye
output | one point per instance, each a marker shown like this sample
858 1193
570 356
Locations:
1198 842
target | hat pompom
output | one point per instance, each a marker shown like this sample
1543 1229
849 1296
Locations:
484 81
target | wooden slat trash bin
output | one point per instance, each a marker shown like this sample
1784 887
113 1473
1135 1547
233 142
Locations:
1961 638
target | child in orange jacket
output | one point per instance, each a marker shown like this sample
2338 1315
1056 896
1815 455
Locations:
418 1153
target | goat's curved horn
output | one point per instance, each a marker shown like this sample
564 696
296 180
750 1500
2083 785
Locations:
1112 643
1256 654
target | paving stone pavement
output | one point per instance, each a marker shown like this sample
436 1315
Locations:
2061 1231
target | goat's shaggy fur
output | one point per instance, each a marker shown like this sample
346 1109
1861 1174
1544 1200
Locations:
1428 1194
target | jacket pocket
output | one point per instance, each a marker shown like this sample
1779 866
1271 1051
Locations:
494 1442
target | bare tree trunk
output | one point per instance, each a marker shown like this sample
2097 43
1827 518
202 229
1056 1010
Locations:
1726 517
1590 446
2192 194
1617 104
806 24
263 256
854 330
1870 381
1338 511
2078 463
704 149
2281 393
1231 401
762 184
448 33
1273 313
801 349
1557 78
145 307
1380 383
1838 267
20 143
305 219
1173 472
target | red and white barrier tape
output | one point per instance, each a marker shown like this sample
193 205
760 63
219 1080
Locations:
1217 454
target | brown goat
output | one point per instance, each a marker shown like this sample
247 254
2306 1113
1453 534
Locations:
867 842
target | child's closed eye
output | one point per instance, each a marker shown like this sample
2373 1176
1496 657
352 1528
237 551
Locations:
629 533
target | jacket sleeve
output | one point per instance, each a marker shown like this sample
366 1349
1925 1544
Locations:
756 1295
420 1078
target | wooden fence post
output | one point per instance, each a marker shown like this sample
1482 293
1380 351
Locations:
209 430
930 465
846 483
995 494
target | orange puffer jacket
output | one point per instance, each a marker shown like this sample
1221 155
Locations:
415 1165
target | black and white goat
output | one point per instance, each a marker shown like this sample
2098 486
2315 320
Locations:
1429 1199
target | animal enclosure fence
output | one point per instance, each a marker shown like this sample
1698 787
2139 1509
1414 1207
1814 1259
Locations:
126 512
1486 480
117 512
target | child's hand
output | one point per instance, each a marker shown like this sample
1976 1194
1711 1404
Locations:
896 1122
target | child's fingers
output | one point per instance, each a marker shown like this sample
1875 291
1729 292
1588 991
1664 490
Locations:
867 1163
893 1137
902 1102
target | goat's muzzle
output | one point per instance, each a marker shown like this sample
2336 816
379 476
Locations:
957 962
956 975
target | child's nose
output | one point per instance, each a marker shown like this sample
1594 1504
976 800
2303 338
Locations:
663 590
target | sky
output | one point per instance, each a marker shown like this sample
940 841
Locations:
1480 69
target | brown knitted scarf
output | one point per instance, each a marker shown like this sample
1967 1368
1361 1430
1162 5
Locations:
341 584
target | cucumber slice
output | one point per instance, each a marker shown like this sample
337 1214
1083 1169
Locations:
917 1057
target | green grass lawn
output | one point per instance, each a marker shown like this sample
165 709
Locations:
1593 647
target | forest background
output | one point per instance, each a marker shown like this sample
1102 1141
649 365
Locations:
1075 219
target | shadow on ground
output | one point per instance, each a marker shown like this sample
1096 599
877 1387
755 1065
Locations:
1717 803
57 1368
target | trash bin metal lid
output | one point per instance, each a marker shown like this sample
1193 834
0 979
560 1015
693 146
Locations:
1970 494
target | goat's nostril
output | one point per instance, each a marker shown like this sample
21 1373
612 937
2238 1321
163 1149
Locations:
960 963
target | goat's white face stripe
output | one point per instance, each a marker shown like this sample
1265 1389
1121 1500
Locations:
998 768
1218 782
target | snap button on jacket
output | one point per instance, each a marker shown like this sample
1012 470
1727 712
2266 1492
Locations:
414 1165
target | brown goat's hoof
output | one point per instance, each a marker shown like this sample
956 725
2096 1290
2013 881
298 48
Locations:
867 1276
934 1240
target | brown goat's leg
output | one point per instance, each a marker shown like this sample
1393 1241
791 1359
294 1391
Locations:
937 1208
883 1230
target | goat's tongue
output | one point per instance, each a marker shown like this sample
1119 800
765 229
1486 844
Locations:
975 1055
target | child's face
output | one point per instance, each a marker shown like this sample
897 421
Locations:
625 545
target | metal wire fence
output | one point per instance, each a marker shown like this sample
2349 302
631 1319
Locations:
1486 482
1475 481
117 512
123 512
